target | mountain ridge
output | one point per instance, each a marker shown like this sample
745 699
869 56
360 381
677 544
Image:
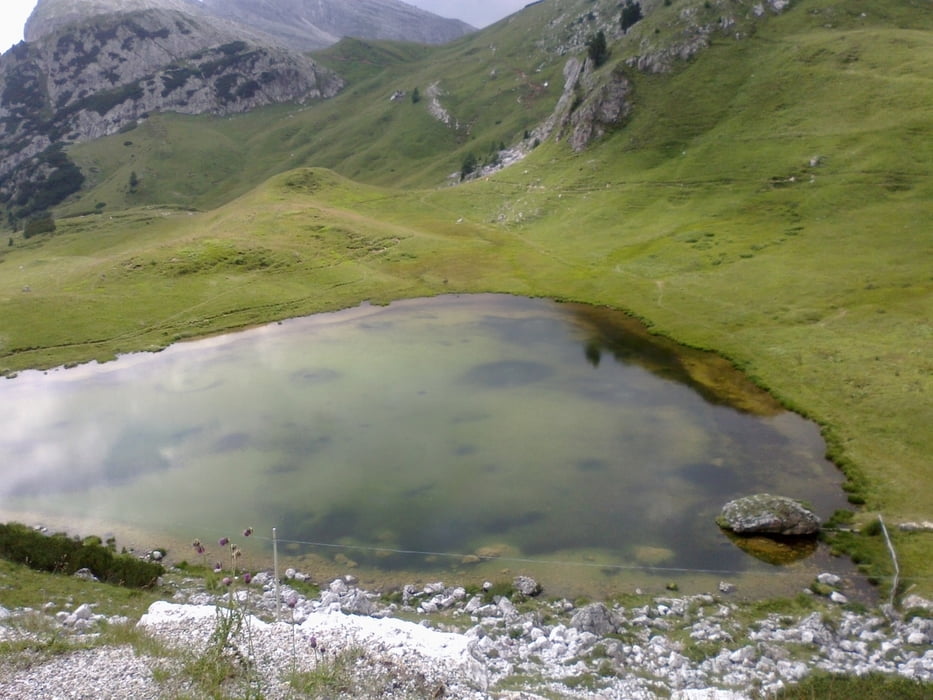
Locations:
299 24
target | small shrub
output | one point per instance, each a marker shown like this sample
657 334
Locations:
38 225
59 553
631 13
468 166
597 49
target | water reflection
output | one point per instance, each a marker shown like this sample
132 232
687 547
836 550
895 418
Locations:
454 425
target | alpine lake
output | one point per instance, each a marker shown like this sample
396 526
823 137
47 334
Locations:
456 438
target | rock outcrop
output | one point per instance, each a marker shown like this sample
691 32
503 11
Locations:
764 514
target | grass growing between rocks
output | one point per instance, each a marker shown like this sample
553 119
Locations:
874 686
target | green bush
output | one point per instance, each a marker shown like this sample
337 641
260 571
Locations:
597 48
59 553
39 224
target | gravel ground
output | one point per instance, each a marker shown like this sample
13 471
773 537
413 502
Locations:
456 645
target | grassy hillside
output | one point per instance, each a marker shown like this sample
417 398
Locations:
769 200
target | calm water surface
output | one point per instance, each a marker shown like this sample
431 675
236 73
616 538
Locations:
451 427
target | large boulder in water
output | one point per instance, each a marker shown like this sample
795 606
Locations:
764 514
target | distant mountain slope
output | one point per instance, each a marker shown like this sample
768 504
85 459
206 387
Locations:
315 24
93 77
299 24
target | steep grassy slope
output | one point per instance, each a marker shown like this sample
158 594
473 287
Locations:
769 200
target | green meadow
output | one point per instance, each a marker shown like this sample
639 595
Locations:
770 199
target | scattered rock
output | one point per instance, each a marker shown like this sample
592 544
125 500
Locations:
595 618
85 574
554 642
726 587
527 586
828 579
766 514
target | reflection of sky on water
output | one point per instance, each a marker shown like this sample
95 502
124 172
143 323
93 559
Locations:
446 424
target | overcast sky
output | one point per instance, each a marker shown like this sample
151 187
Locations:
479 13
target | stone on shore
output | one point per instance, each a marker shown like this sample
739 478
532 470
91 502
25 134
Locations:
765 514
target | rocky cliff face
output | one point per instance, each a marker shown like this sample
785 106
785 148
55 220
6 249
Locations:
79 81
50 16
314 24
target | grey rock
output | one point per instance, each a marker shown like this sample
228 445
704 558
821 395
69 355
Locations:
766 514
828 579
338 586
83 612
915 601
595 618
726 587
838 597
85 574
506 608
527 586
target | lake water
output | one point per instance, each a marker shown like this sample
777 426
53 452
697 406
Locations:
459 436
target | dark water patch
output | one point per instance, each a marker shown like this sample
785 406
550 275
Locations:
464 450
711 477
502 525
605 332
591 464
381 326
777 551
420 491
231 442
284 468
302 444
508 374
522 331
314 376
